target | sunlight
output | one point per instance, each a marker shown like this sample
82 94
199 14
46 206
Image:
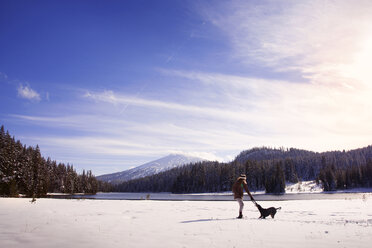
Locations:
360 69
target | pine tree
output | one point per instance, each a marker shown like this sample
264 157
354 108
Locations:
280 179
290 171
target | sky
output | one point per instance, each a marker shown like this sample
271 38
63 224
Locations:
109 85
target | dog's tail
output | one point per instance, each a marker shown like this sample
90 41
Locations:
278 208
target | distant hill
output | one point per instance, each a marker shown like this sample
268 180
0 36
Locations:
151 168
266 169
339 158
265 153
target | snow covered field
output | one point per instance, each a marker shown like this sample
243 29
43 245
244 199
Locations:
122 223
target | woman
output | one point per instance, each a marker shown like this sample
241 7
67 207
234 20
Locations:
239 185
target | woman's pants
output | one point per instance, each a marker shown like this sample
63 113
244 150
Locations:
241 204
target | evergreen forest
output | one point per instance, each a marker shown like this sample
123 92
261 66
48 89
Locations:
24 171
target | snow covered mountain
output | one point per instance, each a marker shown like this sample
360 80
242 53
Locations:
151 168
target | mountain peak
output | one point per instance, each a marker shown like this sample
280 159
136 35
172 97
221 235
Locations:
154 167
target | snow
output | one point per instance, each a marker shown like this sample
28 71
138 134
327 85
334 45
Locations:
312 187
147 223
303 187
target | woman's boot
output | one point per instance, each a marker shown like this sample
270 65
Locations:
240 215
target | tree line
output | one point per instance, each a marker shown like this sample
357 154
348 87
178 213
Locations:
266 169
334 178
213 177
24 171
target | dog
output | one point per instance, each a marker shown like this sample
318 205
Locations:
266 211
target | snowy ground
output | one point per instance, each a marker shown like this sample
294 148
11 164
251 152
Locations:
303 187
121 223
312 187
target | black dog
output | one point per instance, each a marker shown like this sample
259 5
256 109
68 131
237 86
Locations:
266 211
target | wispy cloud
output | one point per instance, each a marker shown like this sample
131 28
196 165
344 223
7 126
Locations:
109 96
274 112
133 143
315 38
26 92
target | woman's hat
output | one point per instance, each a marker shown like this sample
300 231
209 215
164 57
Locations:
242 176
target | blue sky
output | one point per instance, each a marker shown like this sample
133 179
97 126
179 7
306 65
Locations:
108 85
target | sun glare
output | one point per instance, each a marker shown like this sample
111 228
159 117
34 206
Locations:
360 69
